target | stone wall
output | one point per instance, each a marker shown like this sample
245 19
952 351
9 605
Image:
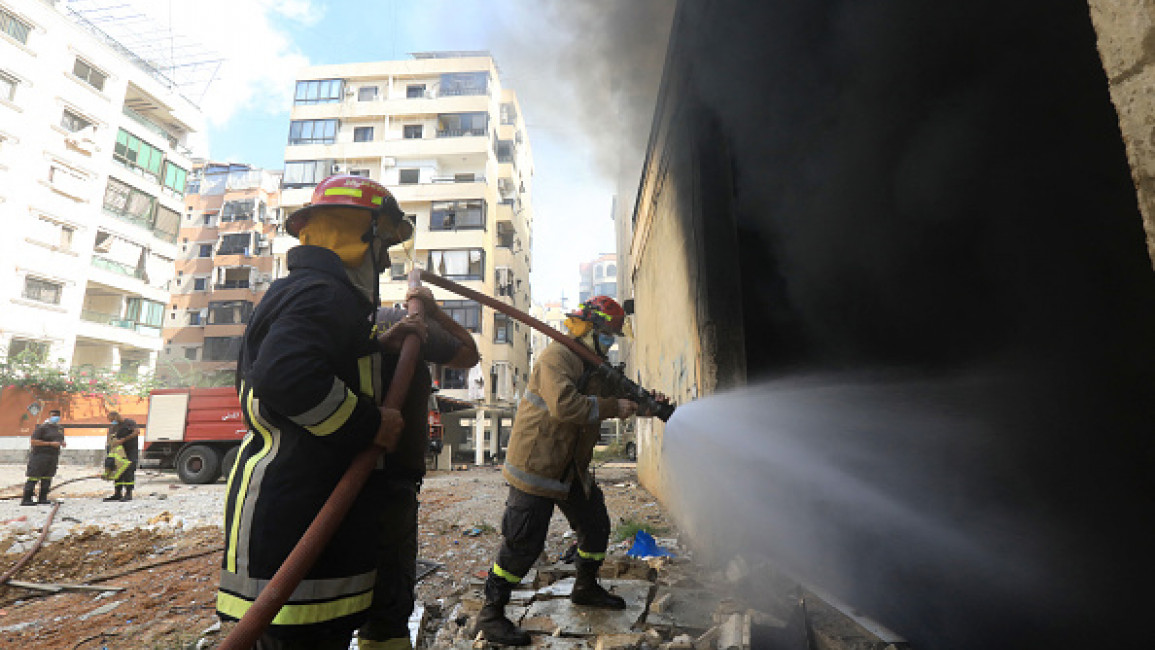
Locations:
1126 31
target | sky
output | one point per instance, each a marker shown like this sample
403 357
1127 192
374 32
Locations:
537 45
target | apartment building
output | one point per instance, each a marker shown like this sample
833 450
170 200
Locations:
552 314
224 265
449 140
599 277
93 164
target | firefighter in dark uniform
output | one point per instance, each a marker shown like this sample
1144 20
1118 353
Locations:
548 464
309 381
47 440
447 343
124 448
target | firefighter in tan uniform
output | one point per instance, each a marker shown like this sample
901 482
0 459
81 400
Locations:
548 464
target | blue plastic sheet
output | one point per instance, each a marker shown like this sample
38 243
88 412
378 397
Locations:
645 546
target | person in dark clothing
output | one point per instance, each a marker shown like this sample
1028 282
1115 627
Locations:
310 383
444 342
124 446
47 441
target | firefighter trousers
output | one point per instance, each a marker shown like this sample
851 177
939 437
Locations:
393 594
524 527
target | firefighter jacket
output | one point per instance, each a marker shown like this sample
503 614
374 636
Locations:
556 426
308 377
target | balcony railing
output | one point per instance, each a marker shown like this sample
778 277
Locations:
115 320
454 179
462 92
459 133
151 126
117 267
232 284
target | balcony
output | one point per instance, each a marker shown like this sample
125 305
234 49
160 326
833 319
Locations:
117 267
114 320
461 133
441 189
153 127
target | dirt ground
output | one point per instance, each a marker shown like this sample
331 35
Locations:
167 576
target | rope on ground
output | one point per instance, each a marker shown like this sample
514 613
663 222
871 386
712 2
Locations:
32 551
153 565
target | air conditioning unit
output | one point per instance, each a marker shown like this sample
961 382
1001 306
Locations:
388 162
349 92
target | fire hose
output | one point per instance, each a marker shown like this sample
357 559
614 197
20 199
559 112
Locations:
276 593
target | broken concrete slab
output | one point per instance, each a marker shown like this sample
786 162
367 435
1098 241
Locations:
618 641
734 633
560 589
103 609
539 624
575 620
551 573
521 596
688 609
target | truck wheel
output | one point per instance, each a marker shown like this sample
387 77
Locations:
198 464
229 461
631 451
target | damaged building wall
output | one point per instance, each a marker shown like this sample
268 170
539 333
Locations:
1126 30
935 189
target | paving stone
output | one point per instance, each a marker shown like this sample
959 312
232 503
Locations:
574 620
691 609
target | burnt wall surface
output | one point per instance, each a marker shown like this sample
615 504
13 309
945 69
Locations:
939 191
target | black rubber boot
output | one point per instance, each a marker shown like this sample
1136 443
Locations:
29 489
115 495
491 620
127 494
45 486
587 591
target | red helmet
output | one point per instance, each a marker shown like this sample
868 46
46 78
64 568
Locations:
604 312
352 192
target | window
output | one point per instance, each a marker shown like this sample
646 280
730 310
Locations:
363 134
508 113
132 152
502 328
194 317
460 264
312 131
204 250
230 312
72 122
409 176
457 215
237 244
611 270
452 125
88 74
367 93
27 348
201 284
454 378
504 150
174 178
467 313
7 87
324 91
505 234
42 290
415 91
14 27
464 178
222 348
128 203
364 173
167 224
413 131
190 353
145 313
301 173
397 270
241 210
464 83
57 234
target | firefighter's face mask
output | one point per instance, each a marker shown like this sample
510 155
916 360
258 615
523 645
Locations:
342 230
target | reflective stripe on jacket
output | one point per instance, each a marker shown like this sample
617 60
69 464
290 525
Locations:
310 385
556 426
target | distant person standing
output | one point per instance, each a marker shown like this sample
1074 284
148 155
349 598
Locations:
47 440
123 446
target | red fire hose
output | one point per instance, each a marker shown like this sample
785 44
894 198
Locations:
305 553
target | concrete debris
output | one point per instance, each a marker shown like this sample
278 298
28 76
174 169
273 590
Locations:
542 624
686 609
709 639
734 633
681 642
737 569
652 638
618 642
587 621
214 628
560 589
103 609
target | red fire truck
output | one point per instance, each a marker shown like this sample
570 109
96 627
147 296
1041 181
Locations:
198 431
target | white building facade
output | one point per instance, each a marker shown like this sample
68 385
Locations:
449 141
93 162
